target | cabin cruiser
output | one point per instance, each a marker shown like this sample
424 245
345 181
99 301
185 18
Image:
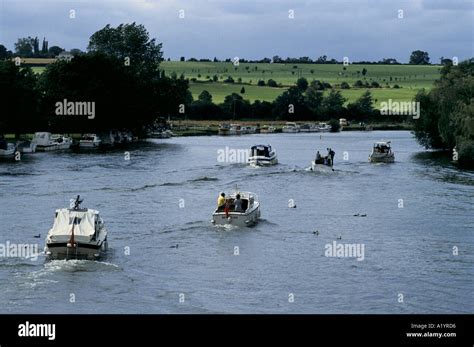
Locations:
46 142
26 146
291 127
224 129
261 155
382 153
89 141
323 163
249 130
248 215
77 233
267 129
324 128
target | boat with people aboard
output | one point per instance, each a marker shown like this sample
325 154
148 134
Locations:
382 153
77 233
267 129
239 208
89 141
46 142
323 163
291 127
262 155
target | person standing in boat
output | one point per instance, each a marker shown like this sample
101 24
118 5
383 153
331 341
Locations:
221 201
331 155
238 203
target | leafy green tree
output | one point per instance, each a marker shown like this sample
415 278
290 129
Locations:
272 83
24 47
4 53
333 104
419 58
302 84
205 97
55 50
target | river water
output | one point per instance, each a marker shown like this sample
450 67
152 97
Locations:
167 257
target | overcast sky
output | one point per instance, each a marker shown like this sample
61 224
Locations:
358 29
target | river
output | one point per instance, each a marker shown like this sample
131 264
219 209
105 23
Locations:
415 224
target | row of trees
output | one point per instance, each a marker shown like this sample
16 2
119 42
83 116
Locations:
447 113
120 73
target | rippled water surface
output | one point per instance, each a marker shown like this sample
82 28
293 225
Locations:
174 249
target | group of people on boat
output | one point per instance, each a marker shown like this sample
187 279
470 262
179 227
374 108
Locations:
327 160
382 148
226 204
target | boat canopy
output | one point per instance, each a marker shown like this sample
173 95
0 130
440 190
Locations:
261 150
84 221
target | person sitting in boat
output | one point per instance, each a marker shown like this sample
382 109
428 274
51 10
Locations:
318 158
238 203
221 201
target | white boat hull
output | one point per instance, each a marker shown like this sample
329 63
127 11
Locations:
240 219
384 158
89 145
86 251
9 152
290 130
263 161
320 167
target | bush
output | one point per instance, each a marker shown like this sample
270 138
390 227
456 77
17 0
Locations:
375 84
261 83
345 85
396 86
335 126
272 83
229 79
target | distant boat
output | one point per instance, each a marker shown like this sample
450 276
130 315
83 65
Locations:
77 233
262 155
89 141
26 146
7 149
249 130
267 129
323 164
291 127
248 216
324 128
382 153
235 129
224 129
47 142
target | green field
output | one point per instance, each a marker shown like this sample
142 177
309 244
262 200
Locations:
410 78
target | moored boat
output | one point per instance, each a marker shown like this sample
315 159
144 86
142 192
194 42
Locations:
89 141
291 127
46 142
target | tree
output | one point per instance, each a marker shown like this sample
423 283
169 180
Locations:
182 59
235 106
302 84
128 41
419 58
215 78
75 52
55 50
242 90
205 97
363 107
44 47
229 79
345 85
333 103
24 47
313 99
364 71
36 50
290 105
261 83
272 83
4 53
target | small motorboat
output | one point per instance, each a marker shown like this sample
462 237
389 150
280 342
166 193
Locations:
46 142
249 130
323 164
291 127
89 141
224 129
235 129
77 233
7 149
267 129
161 134
262 155
382 153
26 146
248 215
324 128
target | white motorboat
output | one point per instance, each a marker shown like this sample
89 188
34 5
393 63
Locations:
323 164
89 141
77 233
382 153
26 146
262 155
248 215
323 128
224 129
46 142
291 127
235 129
267 129
7 149
249 130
